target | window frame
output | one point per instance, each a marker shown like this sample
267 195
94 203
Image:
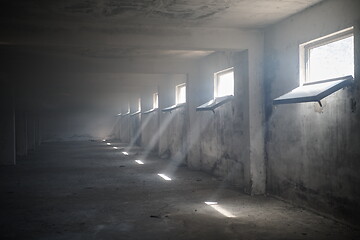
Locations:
304 50
177 103
177 93
155 100
217 100
217 78
315 91
128 110
139 108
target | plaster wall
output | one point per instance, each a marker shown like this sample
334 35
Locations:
172 142
7 123
219 141
313 152
150 121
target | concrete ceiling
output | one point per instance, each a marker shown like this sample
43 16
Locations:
203 13
136 29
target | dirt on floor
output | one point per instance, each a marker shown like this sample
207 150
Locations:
90 190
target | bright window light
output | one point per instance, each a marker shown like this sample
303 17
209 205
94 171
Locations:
330 57
115 147
180 93
125 153
224 83
164 177
109 144
139 104
155 100
128 107
139 162
220 209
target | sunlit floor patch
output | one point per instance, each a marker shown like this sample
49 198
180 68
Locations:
219 209
139 162
164 177
125 153
115 147
109 144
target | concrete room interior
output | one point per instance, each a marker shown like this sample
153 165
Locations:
216 119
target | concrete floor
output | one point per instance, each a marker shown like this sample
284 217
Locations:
88 190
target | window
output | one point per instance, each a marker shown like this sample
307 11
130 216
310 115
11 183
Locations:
223 90
138 108
128 110
155 100
180 98
328 57
139 105
224 83
326 66
180 93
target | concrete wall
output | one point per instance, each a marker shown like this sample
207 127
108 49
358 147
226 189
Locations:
150 121
220 141
7 123
172 142
313 152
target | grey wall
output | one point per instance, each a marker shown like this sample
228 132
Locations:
172 142
313 152
219 142
150 121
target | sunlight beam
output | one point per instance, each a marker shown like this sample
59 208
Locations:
220 209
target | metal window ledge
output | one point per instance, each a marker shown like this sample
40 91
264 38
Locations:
125 114
135 113
214 103
150 110
173 107
314 91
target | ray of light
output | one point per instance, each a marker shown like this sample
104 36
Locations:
137 134
179 157
220 209
155 139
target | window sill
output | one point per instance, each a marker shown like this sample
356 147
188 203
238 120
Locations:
125 114
150 111
135 113
314 91
173 107
214 103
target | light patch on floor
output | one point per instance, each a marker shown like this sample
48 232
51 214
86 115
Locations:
164 177
220 209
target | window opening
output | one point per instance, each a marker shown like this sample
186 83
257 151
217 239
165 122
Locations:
224 83
155 100
328 57
326 66
180 93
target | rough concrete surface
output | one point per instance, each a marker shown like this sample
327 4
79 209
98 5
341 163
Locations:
313 153
88 190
